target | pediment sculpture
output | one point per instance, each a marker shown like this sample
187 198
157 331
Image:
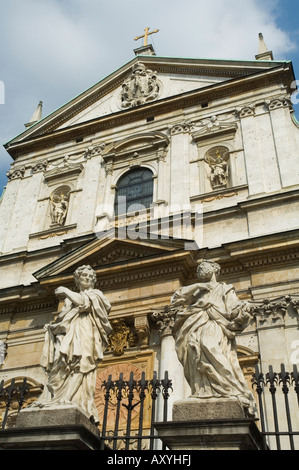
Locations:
142 87
209 315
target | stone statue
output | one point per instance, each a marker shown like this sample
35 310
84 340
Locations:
208 317
59 209
74 345
218 163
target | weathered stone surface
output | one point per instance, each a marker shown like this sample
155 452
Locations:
54 416
61 428
198 409
237 434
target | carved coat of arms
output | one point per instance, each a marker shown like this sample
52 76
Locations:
141 87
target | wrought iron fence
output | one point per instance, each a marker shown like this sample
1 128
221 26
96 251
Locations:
278 400
139 396
12 393
130 408
135 401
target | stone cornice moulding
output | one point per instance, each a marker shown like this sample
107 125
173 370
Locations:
160 106
162 65
172 265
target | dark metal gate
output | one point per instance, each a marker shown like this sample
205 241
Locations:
278 400
137 396
12 393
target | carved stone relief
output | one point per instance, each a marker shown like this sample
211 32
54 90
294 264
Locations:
141 87
215 126
40 166
181 127
16 173
64 167
164 318
246 111
122 337
270 313
279 102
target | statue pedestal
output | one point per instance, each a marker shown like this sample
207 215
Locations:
64 427
213 424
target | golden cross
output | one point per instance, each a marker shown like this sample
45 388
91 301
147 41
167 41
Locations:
145 36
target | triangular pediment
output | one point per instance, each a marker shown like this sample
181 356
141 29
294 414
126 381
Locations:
107 252
159 79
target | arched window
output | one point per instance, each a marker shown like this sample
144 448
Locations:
134 191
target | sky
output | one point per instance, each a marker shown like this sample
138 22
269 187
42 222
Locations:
53 50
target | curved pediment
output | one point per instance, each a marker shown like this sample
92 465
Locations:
137 142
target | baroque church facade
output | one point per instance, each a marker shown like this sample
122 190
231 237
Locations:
162 164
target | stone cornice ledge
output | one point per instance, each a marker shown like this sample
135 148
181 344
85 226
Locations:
188 99
263 199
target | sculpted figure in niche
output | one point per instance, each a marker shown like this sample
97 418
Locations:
217 159
209 316
59 207
74 345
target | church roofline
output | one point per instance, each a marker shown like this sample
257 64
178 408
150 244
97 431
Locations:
256 65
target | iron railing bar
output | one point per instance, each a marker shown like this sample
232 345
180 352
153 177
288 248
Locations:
155 386
9 391
108 385
285 379
166 384
119 385
295 381
272 379
258 380
143 387
131 385
281 433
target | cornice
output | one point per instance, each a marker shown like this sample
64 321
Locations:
256 254
184 100
177 264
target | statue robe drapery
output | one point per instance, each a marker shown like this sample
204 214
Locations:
73 347
205 334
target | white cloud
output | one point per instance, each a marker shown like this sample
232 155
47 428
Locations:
54 49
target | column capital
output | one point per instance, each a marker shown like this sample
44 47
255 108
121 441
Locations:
164 318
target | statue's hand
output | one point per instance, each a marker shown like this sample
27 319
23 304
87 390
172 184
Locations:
61 292
46 326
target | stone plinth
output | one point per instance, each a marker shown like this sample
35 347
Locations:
210 425
195 409
61 428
